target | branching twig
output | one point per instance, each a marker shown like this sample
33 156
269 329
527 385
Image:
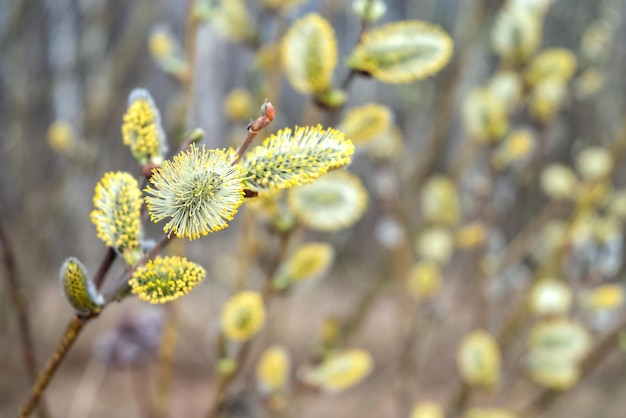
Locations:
75 326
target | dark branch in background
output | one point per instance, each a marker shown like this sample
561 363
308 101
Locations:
19 20
225 380
18 297
445 107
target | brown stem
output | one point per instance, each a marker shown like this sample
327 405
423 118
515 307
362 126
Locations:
256 126
458 400
281 254
18 296
72 332
226 380
365 25
105 265
247 243
518 246
513 253
244 351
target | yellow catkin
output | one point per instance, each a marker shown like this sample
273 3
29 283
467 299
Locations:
478 359
335 201
142 130
272 371
243 316
309 54
296 157
402 52
199 190
364 123
340 371
610 296
78 288
165 279
427 410
309 262
117 214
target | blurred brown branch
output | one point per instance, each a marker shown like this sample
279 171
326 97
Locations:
20 304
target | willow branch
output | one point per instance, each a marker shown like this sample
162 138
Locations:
75 326
254 127
72 332
105 265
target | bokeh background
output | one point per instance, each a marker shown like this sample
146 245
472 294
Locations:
77 60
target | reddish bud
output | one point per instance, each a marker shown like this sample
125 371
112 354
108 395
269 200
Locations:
267 110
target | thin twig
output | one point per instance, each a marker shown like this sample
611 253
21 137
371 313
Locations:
226 380
72 332
362 308
512 254
445 109
75 326
256 126
18 296
242 356
518 246
105 265
458 400
281 254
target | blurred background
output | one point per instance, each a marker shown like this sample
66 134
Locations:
66 69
